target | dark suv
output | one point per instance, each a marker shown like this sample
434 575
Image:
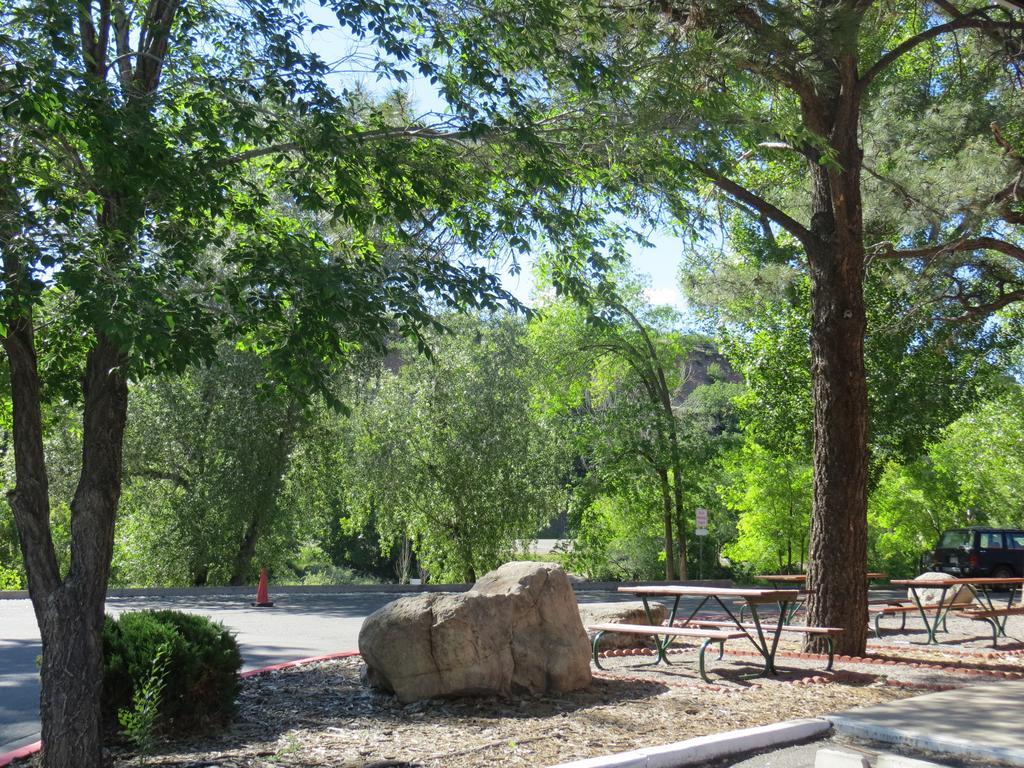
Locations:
977 552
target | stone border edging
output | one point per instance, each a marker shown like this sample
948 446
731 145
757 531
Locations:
705 748
30 749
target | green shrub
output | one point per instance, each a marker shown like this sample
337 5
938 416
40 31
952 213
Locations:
141 721
202 664
10 578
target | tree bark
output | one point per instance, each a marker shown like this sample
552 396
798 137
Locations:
246 552
264 502
69 611
837 561
71 624
666 506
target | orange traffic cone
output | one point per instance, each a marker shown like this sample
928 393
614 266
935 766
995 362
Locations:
262 597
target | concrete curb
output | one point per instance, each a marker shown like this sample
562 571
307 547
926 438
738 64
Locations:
30 749
705 748
20 752
341 589
945 745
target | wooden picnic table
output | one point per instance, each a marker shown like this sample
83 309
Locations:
799 580
980 588
765 643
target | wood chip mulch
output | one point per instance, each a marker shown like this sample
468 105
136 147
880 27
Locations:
320 714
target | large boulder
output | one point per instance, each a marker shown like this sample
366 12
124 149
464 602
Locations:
958 595
517 630
622 613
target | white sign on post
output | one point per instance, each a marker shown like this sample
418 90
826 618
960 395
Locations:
702 521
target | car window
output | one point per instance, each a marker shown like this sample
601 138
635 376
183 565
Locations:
1015 540
955 539
990 540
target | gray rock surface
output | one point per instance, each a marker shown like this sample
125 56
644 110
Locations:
518 630
622 613
954 596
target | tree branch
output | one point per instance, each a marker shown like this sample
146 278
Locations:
972 20
886 250
403 132
759 204
974 311
147 473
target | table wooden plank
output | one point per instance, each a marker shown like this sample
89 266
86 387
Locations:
952 582
673 590
797 578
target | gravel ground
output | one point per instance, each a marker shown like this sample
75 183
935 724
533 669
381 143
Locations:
321 715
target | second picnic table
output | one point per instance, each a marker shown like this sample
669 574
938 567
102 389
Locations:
765 643
798 580
980 588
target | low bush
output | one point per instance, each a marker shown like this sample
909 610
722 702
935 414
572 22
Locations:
200 664
10 578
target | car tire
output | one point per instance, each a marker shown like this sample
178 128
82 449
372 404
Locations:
1003 572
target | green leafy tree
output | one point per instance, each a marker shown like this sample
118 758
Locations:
984 451
618 364
772 495
206 454
909 509
972 474
789 90
448 455
140 142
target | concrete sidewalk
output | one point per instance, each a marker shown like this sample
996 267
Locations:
971 727
978 723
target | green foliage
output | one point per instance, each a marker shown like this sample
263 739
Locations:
922 374
907 512
140 722
446 453
10 578
972 475
206 453
772 495
313 567
201 677
618 537
984 452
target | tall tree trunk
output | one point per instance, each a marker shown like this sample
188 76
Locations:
245 553
264 502
677 464
71 627
666 505
69 611
677 492
837 560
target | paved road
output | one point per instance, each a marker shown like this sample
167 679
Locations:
300 625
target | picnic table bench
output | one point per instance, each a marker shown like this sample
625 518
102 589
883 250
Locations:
710 636
996 618
896 608
827 632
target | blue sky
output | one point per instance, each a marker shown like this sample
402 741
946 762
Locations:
659 262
